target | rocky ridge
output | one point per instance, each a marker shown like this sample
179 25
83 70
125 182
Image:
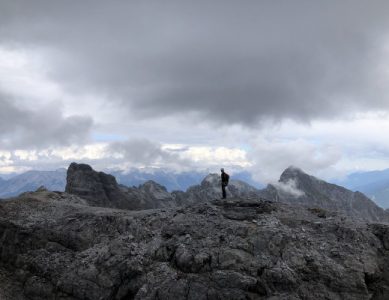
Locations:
101 189
294 187
297 187
55 246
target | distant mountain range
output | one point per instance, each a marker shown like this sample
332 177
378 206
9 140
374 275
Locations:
374 184
56 180
171 180
31 180
295 187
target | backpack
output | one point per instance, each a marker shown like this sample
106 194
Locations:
227 177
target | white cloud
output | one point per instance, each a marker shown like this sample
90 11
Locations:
208 156
24 75
89 152
270 157
127 154
5 158
289 187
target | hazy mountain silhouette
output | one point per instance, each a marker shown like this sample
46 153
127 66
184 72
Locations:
31 180
375 184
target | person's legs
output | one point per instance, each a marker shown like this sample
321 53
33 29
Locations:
224 191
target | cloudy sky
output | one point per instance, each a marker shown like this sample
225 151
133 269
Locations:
254 85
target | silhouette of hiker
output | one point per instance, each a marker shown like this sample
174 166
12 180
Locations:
225 177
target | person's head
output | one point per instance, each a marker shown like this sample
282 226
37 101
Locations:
222 170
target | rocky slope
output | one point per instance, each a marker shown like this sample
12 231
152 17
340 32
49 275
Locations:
54 246
297 187
100 189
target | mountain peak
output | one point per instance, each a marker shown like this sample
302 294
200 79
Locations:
210 179
315 192
82 167
291 172
152 185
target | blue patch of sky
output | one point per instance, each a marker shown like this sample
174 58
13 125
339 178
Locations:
103 137
245 147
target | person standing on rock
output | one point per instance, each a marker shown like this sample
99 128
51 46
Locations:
225 178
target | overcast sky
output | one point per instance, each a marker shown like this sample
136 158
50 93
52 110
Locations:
254 85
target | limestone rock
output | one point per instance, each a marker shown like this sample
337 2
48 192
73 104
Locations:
54 248
101 189
297 187
41 189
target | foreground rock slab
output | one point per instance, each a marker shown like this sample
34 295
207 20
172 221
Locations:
53 246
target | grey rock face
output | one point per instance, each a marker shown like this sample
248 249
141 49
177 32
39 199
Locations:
297 187
101 189
10 287
155 190
98 188
52 248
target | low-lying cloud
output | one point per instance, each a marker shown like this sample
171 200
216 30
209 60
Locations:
289 187
270 158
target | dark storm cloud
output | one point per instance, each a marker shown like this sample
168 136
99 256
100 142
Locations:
24 128
232 61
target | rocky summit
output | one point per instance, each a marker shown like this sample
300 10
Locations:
100 240
57 246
